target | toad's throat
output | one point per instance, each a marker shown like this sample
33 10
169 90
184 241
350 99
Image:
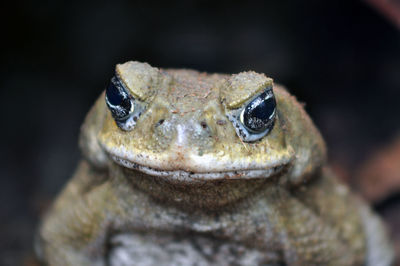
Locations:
182 175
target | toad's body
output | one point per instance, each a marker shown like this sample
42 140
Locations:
178 180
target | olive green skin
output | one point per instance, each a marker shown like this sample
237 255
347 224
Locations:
190 182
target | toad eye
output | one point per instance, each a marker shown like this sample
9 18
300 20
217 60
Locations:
256 119
121 104
118 100
259 114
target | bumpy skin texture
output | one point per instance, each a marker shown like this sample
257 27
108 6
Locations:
181 188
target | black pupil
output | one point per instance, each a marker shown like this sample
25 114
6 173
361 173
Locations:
257 114
118 99
114 97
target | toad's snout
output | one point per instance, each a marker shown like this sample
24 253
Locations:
187 134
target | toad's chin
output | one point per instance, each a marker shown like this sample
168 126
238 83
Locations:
191 176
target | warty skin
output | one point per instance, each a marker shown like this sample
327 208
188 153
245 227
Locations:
182 187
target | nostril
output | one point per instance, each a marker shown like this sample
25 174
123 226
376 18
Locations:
160 122
203 125
221 122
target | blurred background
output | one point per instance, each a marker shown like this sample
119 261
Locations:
341 58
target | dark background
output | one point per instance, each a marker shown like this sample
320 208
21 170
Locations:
342 58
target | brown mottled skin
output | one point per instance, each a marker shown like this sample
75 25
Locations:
182 188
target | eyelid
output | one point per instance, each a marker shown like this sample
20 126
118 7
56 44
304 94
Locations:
240 88
140 79
245 102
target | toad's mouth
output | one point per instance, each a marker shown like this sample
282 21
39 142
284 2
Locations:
183 175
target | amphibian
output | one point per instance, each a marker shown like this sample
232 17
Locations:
189 168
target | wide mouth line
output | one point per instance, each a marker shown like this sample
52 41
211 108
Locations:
185 175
